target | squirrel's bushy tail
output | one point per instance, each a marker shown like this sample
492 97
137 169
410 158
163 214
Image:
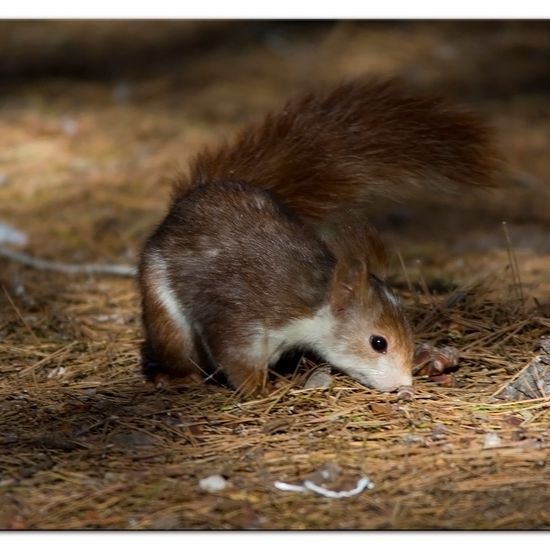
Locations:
363 138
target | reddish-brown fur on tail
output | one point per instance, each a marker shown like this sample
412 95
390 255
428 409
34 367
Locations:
364 138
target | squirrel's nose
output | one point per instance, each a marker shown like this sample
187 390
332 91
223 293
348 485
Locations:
395 382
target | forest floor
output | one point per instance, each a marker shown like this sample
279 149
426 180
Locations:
96 119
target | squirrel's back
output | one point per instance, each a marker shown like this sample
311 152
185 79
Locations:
363 138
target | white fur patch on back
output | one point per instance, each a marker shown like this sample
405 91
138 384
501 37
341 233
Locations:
160 285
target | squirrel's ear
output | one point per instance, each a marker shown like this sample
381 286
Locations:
348 284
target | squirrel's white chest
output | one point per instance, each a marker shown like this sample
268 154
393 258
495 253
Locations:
267 345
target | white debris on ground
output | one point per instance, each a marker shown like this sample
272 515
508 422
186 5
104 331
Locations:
326 474
319 378
491 440
57 372
10 235
212 484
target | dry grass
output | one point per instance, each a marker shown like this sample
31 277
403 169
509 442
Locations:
90 445
87 444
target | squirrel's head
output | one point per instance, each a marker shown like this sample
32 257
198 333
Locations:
371 339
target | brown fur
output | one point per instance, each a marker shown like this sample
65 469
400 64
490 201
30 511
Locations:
270 268
342 147
272 227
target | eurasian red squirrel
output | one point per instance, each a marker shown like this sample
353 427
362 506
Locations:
267 247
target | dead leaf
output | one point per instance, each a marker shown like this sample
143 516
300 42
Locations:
447 380
381 408
513 420
532 382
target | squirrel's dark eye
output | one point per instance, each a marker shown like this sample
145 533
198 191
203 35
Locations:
379 344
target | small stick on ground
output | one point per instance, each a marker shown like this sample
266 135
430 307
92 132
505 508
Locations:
68 268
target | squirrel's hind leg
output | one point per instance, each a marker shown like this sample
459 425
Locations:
164 365
169 352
